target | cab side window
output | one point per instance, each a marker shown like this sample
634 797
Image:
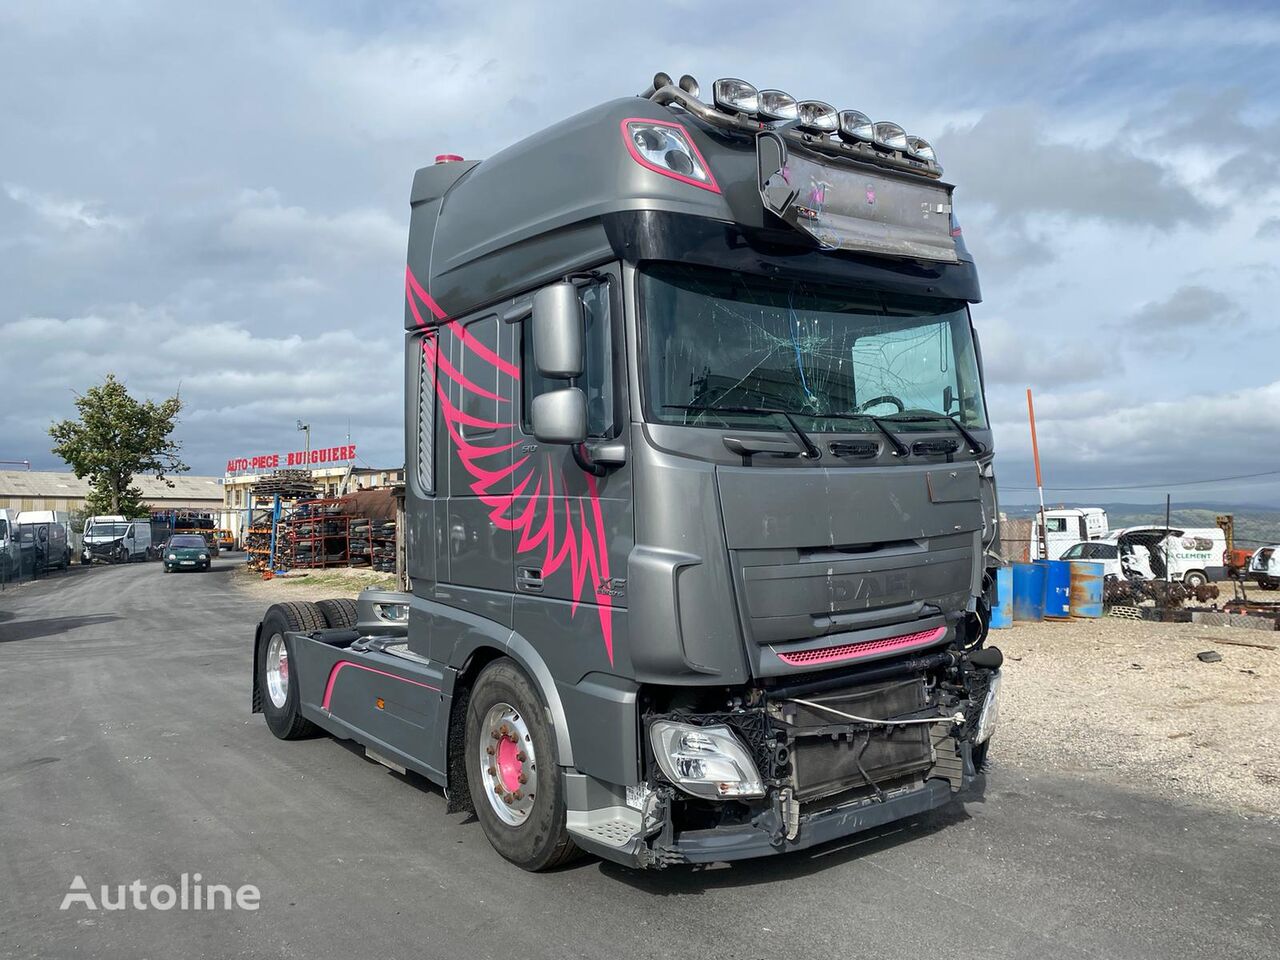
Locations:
597 378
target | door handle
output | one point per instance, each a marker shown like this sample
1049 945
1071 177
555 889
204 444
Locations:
529 579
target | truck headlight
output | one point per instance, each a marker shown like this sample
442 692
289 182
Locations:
990 711
707 762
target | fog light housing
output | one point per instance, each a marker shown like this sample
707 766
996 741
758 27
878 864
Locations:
889 135
735 96
921 149
816 117
855 127
777 105
990 711
708 762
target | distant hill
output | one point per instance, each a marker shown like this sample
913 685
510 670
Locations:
1255 526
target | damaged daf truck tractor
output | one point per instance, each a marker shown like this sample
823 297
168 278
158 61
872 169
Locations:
699 491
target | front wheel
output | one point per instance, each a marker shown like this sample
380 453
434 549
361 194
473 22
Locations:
1194 579
513 771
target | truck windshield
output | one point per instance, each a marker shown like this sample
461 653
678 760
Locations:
111 531
715 338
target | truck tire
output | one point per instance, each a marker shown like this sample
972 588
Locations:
1194 578
279 684
513 771
338 614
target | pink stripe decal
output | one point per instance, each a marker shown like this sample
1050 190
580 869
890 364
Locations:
546 518
337 668
854 651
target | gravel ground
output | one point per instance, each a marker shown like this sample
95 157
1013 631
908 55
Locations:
1128 701
335 582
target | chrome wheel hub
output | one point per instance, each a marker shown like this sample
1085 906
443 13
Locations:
277 671
508 768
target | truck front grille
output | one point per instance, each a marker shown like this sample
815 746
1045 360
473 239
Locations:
855 651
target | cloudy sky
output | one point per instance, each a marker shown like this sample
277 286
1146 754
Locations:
213 198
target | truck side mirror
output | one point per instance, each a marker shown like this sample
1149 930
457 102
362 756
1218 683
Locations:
558 332
560 416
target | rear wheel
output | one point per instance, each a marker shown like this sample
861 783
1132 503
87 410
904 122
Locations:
278 682
339 614
513 770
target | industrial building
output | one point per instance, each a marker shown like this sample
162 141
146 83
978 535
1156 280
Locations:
47 490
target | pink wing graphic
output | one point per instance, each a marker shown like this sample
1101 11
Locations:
547 521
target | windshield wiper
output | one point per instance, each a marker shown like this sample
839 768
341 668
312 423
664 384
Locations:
899 448
976 446
811 450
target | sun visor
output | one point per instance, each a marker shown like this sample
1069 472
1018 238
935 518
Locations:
855 209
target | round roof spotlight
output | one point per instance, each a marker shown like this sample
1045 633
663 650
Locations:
736 96
689 85
777 105
855 127
816 117
921 149
889 135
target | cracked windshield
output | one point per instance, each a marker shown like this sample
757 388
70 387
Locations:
715 339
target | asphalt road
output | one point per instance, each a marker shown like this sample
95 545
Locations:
129 753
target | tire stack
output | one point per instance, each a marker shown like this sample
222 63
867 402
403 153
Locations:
359 544
384 546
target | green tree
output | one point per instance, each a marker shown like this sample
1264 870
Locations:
115 439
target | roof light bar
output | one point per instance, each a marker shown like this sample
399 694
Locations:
777 105
816 117
736 96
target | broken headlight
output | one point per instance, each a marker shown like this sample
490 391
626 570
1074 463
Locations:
990 711
707 762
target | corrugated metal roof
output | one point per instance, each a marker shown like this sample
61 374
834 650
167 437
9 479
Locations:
39 484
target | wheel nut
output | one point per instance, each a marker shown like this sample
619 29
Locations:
518 795
497 788
521 757
493 772
523 778
489 750
507 799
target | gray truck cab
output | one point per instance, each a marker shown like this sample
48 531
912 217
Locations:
699 490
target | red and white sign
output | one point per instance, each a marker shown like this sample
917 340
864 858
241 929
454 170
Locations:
297 459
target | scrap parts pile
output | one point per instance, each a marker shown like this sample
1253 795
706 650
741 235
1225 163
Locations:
1165 594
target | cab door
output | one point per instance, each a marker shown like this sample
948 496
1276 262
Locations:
573 530
478 399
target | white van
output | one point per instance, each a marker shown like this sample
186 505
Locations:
1065 527
9 545
44 536
115 540
1193 555
1264 566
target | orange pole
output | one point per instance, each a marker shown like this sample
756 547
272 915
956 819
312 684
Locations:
1035 453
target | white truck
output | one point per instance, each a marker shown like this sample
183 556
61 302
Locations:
117 540
1066 526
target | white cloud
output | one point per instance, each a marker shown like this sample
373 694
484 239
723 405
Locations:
65 214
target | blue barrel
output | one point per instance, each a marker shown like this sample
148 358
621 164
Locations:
1086 588
1057 589
1002 609
1028 591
